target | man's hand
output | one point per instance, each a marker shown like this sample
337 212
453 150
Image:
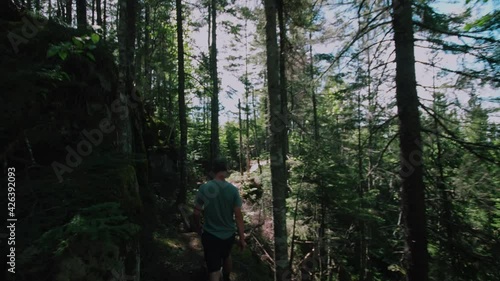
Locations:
197 222
198 229
241 227
242 243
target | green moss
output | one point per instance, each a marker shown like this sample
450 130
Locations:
89 215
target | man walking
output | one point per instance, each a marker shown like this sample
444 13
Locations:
221 203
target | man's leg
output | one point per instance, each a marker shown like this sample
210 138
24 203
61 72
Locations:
227 268
227 262
214 276
212 248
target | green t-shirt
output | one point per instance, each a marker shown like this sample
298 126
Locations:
218 200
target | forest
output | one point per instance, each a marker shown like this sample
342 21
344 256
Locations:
363 137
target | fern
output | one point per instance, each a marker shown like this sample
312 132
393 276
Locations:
102 222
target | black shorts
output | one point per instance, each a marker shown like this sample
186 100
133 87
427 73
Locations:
216 250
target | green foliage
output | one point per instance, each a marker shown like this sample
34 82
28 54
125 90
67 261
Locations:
496 218
430 17
490 21
81 225
251 190
78 46
250 267
93 213
463 34
101 222
229 144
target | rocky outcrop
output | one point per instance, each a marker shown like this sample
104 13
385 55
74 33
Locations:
82 197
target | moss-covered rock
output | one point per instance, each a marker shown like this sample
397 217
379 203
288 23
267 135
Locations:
80 203
92 217
252 190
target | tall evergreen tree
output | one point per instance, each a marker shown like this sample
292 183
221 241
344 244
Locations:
411 169
214 109
126 42
182 104
81 13
69 11
277 126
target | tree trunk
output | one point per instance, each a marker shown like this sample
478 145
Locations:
147 42
69 5
446 216
247 102
129 118
182 105
411 170
205 114
126 42
322 250
214 124
322 253
240 129
81 13
169 100
104 18
98 11
256 139
276 126
361 194
372 98
139 47
283 78
60 11
313 92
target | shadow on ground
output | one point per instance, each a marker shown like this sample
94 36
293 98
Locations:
174 256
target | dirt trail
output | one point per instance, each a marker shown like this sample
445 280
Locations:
189 263
184 261
176 255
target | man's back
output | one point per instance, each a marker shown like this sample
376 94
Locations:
221 203
219 198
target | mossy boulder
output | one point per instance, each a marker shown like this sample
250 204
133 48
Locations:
84 227
252 190
79 215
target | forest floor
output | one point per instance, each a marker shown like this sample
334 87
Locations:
175 255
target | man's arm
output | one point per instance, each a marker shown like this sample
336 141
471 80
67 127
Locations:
198 207
197 219
241 226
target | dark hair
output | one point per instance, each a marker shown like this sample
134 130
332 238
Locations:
219 165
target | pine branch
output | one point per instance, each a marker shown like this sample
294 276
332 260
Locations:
364 30
454 33
355 55
383 152
472 74
469 146
377 128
